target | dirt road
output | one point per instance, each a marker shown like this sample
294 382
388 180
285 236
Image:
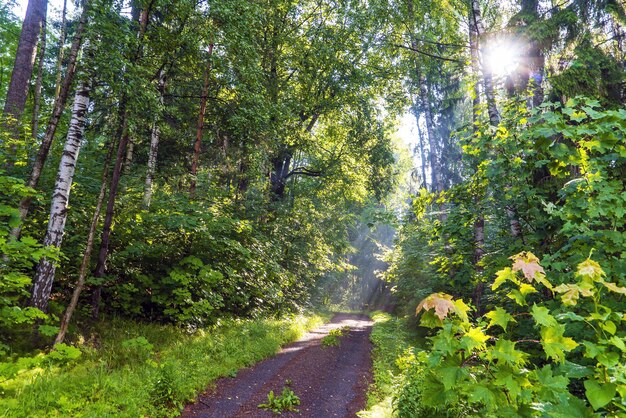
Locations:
330 381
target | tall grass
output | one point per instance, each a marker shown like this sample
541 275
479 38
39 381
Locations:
393 344
129 369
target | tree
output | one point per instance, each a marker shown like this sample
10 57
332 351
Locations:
25 58
44 275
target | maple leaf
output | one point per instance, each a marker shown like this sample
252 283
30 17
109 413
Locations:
528 264
590 269
441 302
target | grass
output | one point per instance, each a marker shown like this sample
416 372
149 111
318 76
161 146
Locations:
393 342
129 369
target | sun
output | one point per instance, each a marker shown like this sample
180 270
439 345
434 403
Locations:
502 56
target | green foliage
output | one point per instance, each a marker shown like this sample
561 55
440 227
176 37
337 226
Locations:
286 402
124 368
391 355
530 358
18 258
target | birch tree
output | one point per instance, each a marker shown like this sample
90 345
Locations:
44 276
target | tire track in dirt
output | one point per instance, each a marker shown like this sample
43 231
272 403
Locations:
330 381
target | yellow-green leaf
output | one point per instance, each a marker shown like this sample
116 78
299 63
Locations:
614 288
474 338
555 344
499 317
506 274
542 316
590 269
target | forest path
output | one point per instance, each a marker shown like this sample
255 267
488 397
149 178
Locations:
330 381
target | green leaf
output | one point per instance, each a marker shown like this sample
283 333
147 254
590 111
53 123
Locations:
504 351
609 326
517 296
599 395
573 370
502 276
499 317
482 394
571 316
542 316
449 376
555 344
474 338
48 330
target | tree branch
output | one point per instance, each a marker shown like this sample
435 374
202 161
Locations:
428 54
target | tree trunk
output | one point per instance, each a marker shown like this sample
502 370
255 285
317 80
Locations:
82 274
38 82
59 105
432 140
421 145
154 147
479 222
110 210
57 89
122 134
281 165
200 126
25 59
44 274
130 153
476 21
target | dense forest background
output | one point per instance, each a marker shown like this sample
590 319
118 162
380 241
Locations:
240 159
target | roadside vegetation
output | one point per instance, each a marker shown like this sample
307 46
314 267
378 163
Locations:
127 369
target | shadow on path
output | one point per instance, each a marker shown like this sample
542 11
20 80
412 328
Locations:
330 381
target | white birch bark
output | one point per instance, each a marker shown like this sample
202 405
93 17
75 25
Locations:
154 147
44 275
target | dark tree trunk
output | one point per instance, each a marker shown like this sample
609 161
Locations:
200 126
435 169
59 105
123 135
477 22
57 89
25 58
38 82
100 269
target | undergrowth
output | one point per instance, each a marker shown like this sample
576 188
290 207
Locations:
129 369
393 344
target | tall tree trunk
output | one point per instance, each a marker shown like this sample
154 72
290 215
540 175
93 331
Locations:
435 172
44 274
57 88
531 69
82 274
59 105
154 146
123 135
479 222
420 144
490 97
24 60
130 153
200 126
99 271
38 82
